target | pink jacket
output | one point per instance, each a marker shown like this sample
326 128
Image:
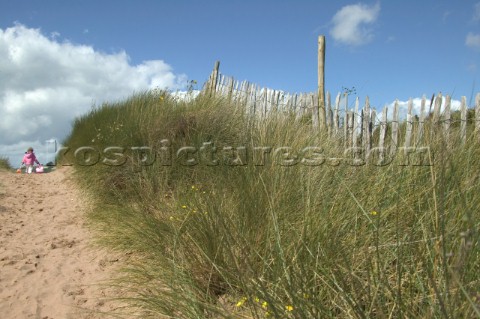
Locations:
29 159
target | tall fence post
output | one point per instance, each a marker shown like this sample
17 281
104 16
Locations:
395 123
349 121
314 102
383 133
321 83
367 126
421 121
214 79
336 115
409 129
463 119
356 116
447 118
230 89
345 120
329 114
437 108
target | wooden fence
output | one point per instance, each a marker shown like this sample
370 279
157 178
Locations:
357 126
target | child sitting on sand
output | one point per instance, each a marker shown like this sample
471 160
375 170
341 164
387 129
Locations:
29 159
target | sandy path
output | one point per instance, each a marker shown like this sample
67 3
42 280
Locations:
47 268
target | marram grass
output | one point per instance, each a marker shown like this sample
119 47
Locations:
250 236
4 163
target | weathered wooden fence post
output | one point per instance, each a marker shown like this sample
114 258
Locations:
409 129
421 121
214 79
447 118
356 116
373 122
329 115
314 102
463 120
437 108
383 133
321 84
395 123
345 119
349 121
230 89
435 123
336 125
367 126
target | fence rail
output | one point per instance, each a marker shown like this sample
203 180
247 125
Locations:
356 127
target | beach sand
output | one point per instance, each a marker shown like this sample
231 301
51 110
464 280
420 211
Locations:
48 266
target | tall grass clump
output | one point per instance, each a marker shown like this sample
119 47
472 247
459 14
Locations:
4 163
233 216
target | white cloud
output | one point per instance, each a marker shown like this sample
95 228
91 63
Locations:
476 12
390 39
416 107
473 40
45 83
446 14
351 24
54 35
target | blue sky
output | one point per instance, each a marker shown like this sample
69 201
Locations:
104 50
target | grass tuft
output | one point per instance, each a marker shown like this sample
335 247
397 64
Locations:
4 163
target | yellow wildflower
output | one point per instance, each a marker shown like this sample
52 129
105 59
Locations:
241 302
289 308
374 213
264 305
184 206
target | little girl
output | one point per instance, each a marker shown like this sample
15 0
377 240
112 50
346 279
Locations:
29 159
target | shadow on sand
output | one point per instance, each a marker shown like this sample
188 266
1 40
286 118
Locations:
46 169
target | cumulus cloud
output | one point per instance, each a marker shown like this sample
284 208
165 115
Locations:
45 83
352 24
416 107
473 40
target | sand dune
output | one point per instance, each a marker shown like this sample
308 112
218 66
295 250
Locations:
48 269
